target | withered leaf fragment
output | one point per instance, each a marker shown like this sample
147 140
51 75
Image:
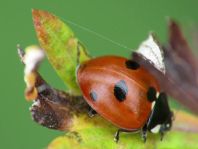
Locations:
56 109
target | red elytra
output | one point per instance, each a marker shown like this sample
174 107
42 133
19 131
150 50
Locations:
99 80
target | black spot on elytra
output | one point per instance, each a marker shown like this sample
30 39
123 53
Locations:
130 64
93 96
120 90
151 94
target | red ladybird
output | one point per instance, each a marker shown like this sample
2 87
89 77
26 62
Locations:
125 93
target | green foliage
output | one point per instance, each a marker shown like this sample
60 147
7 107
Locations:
97 133
62 48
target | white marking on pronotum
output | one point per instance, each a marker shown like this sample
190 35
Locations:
151 50
153 104
156 129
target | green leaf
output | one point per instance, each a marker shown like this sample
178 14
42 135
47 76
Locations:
97 133
61 46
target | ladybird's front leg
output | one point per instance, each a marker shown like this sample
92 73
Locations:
166 125
163 128
161 131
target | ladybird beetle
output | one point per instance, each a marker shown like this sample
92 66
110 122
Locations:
126 94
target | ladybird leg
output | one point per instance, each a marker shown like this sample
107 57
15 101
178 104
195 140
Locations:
161 116
91 112
117 136
144 133
161 131
164 127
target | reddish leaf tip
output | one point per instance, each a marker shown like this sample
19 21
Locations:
35 12
39 14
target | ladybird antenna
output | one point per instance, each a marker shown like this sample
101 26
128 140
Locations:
97 34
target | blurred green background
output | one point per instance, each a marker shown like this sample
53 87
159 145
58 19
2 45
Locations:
125 21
